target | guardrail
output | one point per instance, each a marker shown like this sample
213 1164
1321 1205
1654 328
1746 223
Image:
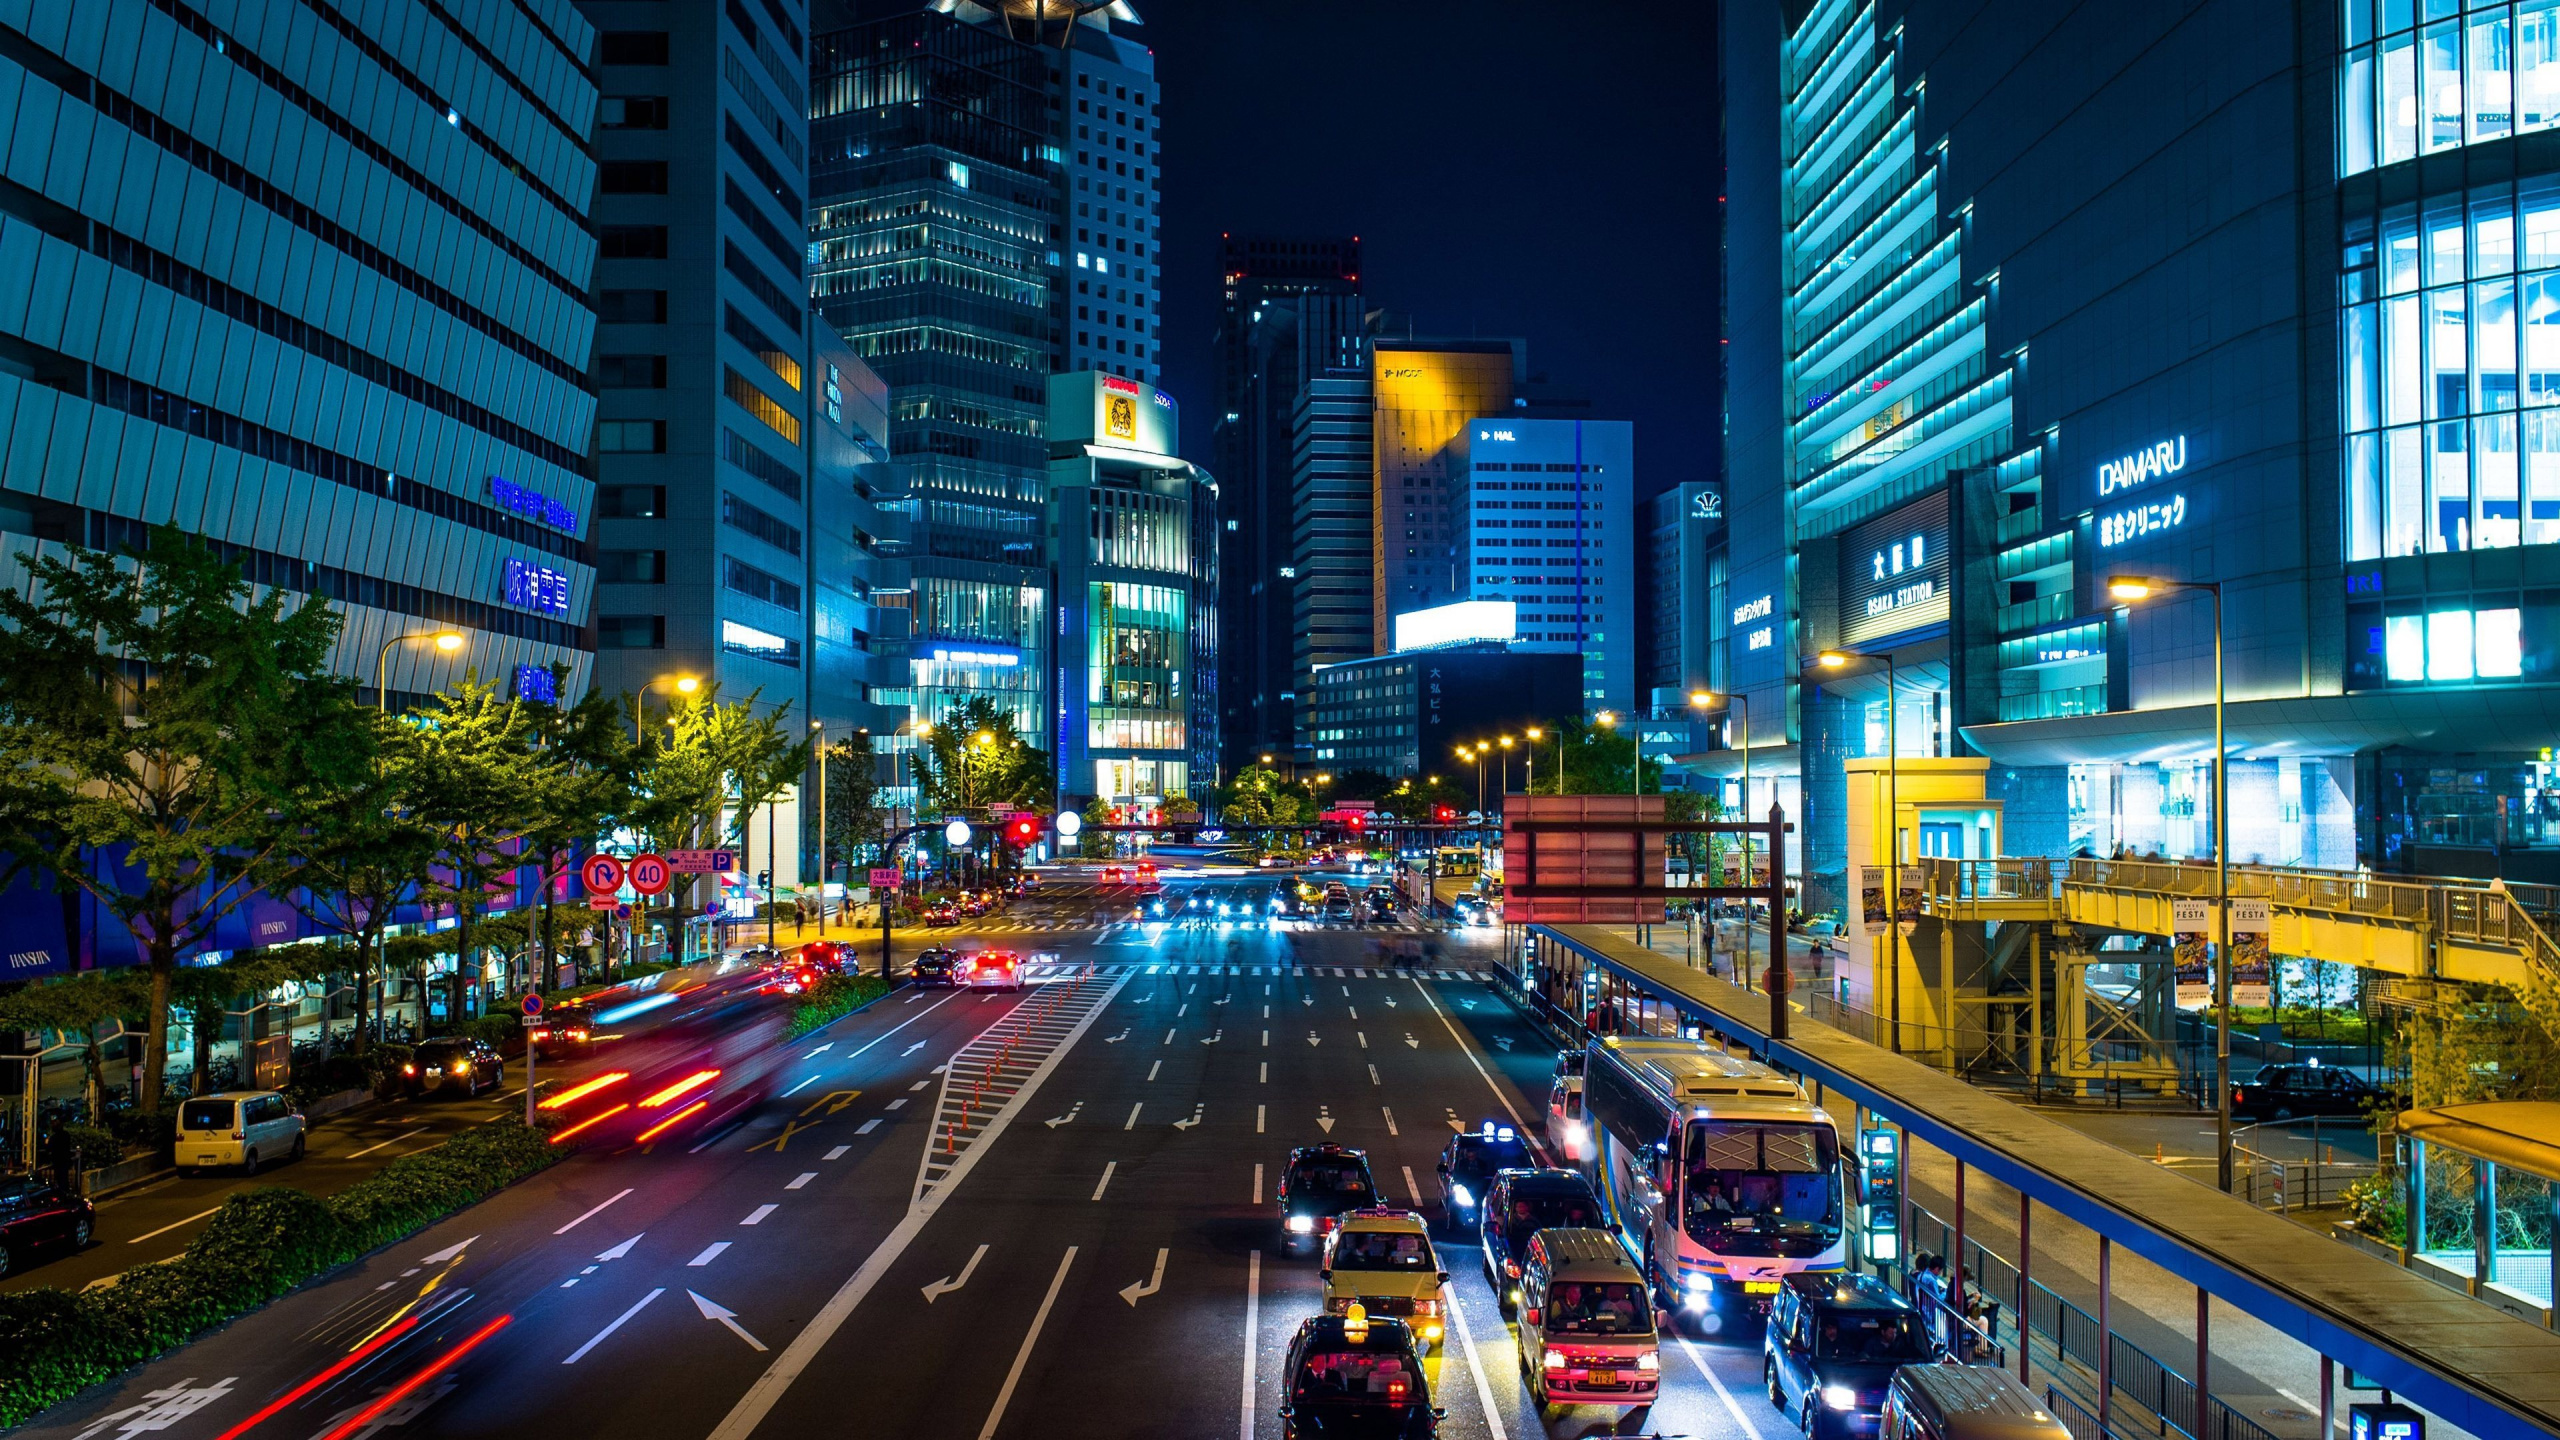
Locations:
2276 1178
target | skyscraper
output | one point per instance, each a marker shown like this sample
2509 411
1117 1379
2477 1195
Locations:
1290 311
1426 392
1547 520
348 346
1331 536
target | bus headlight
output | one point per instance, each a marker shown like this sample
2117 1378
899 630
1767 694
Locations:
1466 1201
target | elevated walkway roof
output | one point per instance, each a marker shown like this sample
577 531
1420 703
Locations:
2517 1134
2490 1373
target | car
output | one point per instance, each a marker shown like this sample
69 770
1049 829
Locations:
1468 1164
36 1217
563 1031
1354 1375
1317 1187
2281 1092
1338 907
935 965
1587 1332
1114 875
1382 1261
1831 1347
1519 1205
827 957
453 1063
1382 903
945 913
246 1128
989 970
1568 1130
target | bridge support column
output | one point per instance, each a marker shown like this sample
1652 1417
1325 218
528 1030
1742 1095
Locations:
2107 1331
2204 1361
2026 1262
2328 1397
1955 1281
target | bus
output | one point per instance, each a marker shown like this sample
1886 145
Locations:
1716 1170
1460 860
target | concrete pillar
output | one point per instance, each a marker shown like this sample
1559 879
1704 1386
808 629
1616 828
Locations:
2106 1330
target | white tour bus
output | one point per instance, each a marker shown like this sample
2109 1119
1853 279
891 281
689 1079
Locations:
1716 1170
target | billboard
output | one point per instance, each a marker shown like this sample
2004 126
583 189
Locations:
1460 623
1090 407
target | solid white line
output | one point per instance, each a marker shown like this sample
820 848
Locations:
590 1215
1690 1348
1133 1115
741 1421
838 1152
394 1140
1257 1182
803 1178
1022 1356
803 1085
1105 1182
1252 1326
179 1224
865 1128
1470 1052
581 1352
709 1253
756 1216
1475 1364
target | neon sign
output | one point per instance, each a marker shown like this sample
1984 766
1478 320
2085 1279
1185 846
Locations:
2141 520
536 587
2149 463
517 500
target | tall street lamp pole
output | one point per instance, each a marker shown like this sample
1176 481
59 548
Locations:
1708 700
2131 589
1530 754
447 641
818 729
681 684
1833 660
1506 743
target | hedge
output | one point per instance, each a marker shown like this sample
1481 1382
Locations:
260 1245
833 998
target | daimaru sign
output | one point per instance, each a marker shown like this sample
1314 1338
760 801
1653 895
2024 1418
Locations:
2151 462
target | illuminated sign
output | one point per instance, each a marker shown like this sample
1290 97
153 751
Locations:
1749 611
1896 572
1505 435
536 682
517 500
2149 463
835 393
1120 417
1760 639
536 587
976 655
1088 406
1706 505
1457 624
2137 521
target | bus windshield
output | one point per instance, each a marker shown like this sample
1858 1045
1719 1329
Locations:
1758 1189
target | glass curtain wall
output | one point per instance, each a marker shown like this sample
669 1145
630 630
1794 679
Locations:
2424 76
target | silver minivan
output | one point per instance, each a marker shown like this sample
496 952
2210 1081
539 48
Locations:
247 1128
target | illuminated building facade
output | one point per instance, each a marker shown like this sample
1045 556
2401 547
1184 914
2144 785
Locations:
1547 521
1423 395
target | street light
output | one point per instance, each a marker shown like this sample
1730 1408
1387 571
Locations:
1834 660
1507 742
1709 700
447 641
817 730
682 685
1535 735
1608 719
2129 590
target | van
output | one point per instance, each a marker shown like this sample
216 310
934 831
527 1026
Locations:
1587 1332
247 1128
1965 1402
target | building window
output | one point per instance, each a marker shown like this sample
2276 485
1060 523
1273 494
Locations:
631 567
634 177
2424 83
762 406
635 47
633 112
632 372
631 632
771 589
632 307
631 502
784 365
740 515
764 644
631 437
634 242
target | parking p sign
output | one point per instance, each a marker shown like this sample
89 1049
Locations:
649 874
602 874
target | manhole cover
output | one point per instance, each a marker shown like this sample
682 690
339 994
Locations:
2286 1412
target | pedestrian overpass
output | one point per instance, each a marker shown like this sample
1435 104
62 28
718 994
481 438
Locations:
2476 1367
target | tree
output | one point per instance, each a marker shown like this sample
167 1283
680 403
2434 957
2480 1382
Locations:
707 768
589 765
158 714
1596 759
1412 799
853 798
360 853
1091 842
479 783
976 757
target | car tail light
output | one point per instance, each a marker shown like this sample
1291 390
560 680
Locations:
1511 1269
1426 1307
239 1134
408 1069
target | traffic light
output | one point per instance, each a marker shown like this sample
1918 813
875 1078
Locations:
1444 814
1023 831
1358 824
764 879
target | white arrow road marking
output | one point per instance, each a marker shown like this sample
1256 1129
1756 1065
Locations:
910 1050
1133 1115
709 1253
1391 1002
1022 1357
1214 1039
1221 1000
448 1253
618 1251
1153 1283
1410 1043
1481 1073
949 1283
1324 1118
1502 1042
618 1321
1306 999
1391 1120
1311 1038
726 1316
1116 1039
821 1050
1054 1121
1105 1182
1196 1112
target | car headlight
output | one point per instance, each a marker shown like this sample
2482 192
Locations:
1649 1362
1839 1397
1554 1360
1302 1224
1465 1200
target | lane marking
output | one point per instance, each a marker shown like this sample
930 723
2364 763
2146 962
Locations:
898 1104
1257 1182
1022 1357
804 1178
1690 1348
1391 1120
1469 1051
756 1216
921 1085
1266 1069
178 1225
709 1253
1133 1115
838 1152
1257 1119
1475 1364
1252 1333
1152 1069
865 1128
618 1322
1168 1037
1105 1182
394 1140
796 1089
948 1283
1373 1075
1414 1189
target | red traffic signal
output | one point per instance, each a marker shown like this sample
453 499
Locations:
1023 830
1444 814
1358 824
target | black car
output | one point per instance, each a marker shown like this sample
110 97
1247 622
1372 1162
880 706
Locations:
1351 1375
937 965
1382 903
453 1064
1468 1165
1519 1204
563 1031
1320 1183
2280 1092
1832 1344
36 1217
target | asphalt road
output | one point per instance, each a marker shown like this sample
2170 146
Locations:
1038 1214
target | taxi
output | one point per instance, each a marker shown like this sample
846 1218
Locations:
988 970
1349 1375
1381 1261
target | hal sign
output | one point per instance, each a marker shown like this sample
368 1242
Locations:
602 874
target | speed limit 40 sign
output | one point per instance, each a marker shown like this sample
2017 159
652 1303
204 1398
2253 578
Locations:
650 874
602 874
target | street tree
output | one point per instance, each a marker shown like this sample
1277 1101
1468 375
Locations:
479 776
158 713
360 853
589 770
854 818
976 757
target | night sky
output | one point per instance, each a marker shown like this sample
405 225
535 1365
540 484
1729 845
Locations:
1544 170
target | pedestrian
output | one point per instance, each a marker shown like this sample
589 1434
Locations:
1929 1291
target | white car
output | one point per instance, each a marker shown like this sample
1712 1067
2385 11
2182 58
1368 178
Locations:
246 1128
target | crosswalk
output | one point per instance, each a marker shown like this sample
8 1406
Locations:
1041 971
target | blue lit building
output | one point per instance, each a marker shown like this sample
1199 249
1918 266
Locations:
1546 518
